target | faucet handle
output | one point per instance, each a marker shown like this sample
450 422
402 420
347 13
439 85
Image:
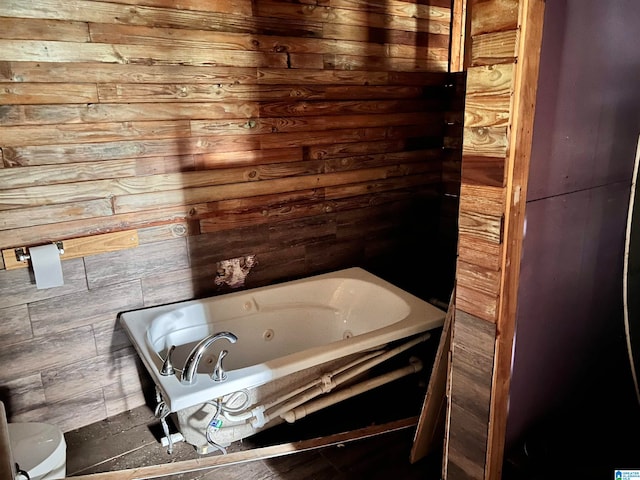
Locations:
219 375
167 366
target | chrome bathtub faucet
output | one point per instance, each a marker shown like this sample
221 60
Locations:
193 360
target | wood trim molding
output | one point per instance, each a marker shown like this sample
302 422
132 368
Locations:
530 21
82 247
501 93
431 423
458 37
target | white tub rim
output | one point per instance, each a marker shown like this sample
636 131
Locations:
422 317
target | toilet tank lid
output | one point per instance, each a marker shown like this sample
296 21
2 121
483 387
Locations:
37 447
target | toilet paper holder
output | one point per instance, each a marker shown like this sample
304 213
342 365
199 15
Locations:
22 256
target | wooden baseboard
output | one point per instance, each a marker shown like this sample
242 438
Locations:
431 425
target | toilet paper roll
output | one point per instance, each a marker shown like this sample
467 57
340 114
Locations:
47 267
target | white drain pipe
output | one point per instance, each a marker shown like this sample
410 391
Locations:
172 439
319 381
348 375
246 415
330 383
258 416
311 407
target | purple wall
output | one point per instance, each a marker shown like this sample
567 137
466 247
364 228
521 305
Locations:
586 129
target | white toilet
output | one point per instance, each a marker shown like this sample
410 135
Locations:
39 449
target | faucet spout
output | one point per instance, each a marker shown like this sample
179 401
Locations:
193 360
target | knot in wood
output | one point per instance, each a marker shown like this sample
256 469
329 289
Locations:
179 230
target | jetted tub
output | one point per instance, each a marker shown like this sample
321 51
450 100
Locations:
282 329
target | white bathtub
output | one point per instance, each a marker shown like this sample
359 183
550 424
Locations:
282 329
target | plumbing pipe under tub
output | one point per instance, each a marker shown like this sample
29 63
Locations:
320 380
229 434
246 415
326 387
348 375
172 439
257 417
304 410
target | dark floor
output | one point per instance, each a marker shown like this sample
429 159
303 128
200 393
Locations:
129 440
592 433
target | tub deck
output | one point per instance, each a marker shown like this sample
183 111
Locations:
343 313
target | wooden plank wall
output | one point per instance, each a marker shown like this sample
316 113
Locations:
309 134
502 48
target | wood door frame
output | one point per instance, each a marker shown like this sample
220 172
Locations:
500 46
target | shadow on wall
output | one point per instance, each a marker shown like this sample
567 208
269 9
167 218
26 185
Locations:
5 397
309 142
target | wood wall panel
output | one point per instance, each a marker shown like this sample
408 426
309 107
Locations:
240 7
34 94
501 54
126 394
484 279
103 132
28 176
63 313
484 141
52 51
482 226
16 288
30 216
281 129
479 252
181 284
489 16
61 348
494 48
74 412
111 13
480 304
28 29
117 268
94 72
523 107
28 402
482 198
17 326
488 96
83 227
72 380
481 170
470 387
